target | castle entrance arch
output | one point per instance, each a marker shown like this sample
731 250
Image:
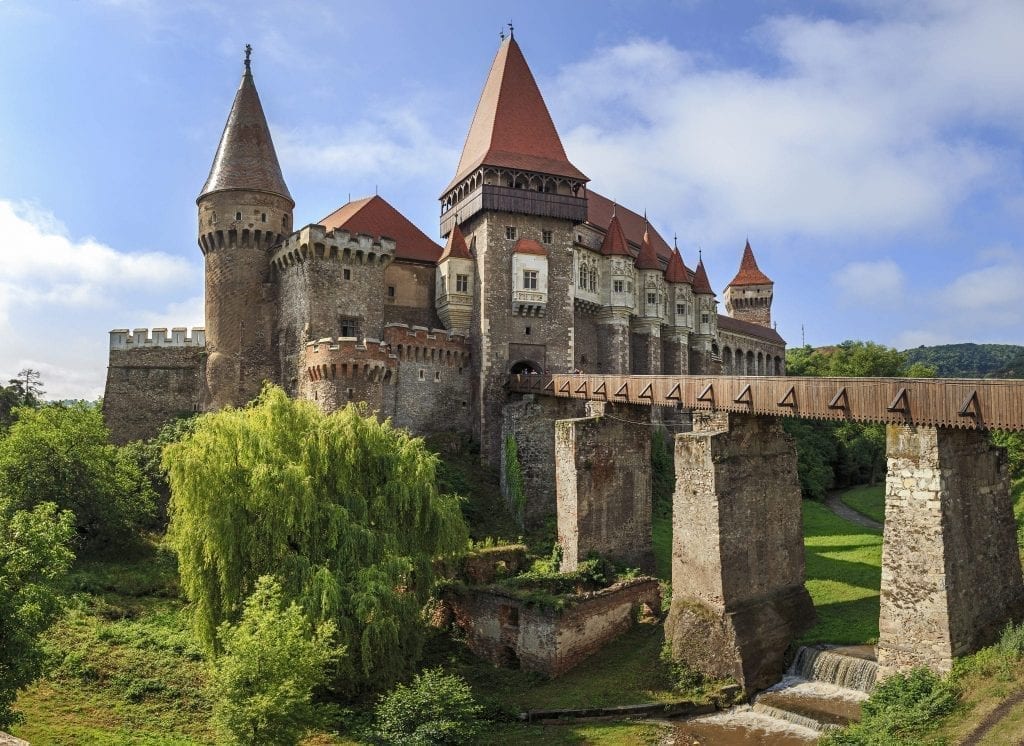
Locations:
525 368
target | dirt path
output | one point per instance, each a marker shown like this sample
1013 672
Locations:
841 509
993 718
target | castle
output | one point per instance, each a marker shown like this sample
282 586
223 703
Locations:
538 273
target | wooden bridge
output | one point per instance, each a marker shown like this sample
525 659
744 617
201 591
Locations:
977 404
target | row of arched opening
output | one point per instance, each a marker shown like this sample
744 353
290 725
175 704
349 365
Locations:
750 363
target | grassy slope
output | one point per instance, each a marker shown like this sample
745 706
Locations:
869 501
843 577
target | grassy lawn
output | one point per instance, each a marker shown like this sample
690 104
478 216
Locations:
843 577
869 501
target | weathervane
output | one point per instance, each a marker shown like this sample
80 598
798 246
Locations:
511 29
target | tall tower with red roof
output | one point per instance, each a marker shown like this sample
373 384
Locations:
245 209
749 296
516 198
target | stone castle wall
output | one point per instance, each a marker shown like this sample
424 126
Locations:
151 379
432 391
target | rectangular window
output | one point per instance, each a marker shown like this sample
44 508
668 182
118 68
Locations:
346 273
593 280
652 299
617 286
681 309
462 283
444 284
703 318
391 291
349 327
529 279
510 232
583 278
545 236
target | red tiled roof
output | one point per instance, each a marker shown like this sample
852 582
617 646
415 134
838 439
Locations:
511 126
376 217
676 271
599 214
614 243
647 258
701 286
456 247
729 324
750 273
245 157
529 246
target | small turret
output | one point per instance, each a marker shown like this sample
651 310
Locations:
651 278
749 296
244 210
455 281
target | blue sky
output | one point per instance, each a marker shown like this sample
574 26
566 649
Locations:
871 151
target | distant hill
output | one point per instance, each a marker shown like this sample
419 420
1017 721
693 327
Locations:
970 360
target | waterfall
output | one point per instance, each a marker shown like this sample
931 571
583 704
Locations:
821 664
792 717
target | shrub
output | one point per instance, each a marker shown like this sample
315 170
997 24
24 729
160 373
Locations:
900 710
436 708
273 659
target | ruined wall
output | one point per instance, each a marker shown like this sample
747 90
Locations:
152 379
432 389
737 549
505 630
603 483
531 422
951 574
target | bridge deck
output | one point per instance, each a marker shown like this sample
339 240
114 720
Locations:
940 402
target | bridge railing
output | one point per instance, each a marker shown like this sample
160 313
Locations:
939 402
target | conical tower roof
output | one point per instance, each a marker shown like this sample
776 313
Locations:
676 270
511 127
750 273
648 257
614 243
456 247
701 285
246 158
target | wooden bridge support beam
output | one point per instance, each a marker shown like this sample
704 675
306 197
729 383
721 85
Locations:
738 595
951 573
603 484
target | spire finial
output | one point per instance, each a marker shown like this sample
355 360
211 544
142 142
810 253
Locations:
511 29
675 241
614 205
700 253
248 53
501 34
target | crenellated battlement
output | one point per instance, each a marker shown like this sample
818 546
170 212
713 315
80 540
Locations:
346 357
136 339
314 242
427 345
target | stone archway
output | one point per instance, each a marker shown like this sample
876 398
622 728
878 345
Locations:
525 368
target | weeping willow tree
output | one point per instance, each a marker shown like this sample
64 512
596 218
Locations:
343 509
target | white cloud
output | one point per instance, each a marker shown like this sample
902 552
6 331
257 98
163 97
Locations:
61 294
861 130
880 282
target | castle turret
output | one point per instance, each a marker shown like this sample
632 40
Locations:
618 305
749 296
244 210
705 322
517 199
650 304
680 315
455 283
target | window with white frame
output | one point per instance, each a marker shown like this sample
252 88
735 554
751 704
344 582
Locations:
461 283
529 279
510 232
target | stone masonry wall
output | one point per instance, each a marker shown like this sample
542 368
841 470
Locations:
149 385
505 630
603 482
586 344
432 391
737 549
951 575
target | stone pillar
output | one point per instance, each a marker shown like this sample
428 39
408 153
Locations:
676 356
951 574
738 595
603 482
613 338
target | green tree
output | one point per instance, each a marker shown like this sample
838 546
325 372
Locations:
437 708
24 391
61 454
343 509
34 553
148 454
272 661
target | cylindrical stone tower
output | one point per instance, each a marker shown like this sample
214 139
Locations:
244 210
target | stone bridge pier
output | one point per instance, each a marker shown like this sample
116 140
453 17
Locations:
603 486
738 595
951 572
